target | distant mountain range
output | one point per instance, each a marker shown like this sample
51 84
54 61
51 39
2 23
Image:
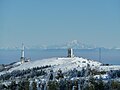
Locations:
75 44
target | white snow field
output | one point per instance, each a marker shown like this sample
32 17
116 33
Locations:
65 64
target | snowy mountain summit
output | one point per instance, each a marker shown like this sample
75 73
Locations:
71 44
76 45
65 64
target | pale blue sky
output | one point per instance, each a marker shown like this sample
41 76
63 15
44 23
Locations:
39 22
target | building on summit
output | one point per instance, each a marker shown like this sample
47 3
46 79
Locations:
23 59
70 53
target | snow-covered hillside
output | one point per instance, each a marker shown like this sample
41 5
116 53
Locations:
60 63
65 64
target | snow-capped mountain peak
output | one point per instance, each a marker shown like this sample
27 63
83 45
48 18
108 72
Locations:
75 42
65 64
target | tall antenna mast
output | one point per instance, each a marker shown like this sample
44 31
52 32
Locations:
22 51
22 59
